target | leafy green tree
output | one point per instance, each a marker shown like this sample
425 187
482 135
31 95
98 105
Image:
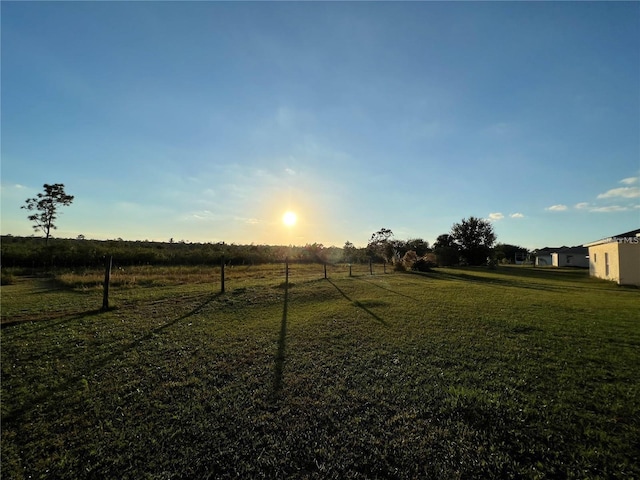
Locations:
446 250
313 252
418 245
475 238
46 205
506 253
348 252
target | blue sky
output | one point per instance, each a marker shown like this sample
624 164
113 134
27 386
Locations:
206 121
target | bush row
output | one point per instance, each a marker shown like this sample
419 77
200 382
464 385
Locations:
33 252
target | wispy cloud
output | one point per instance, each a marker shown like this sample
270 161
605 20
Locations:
497 216
203 215
619 194
609 209
629 180
14 186
557 208
623 192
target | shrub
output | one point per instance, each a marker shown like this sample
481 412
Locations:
399 267
409 259
425 263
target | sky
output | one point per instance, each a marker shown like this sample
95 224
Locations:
207 121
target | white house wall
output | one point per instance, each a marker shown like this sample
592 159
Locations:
560 259
601 261
618 262
629 263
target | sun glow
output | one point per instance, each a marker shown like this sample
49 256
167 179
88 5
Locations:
289 219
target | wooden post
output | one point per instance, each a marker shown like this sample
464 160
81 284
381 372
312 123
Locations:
325 270
370 267
222 274
349 269
384 267
286 272
107 279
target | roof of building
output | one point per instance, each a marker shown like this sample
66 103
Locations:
614 238
578 249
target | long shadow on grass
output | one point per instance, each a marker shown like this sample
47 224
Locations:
55 320
457 275
387 289
355 303
95 364
278 367
53 285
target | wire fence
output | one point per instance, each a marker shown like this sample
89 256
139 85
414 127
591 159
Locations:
222 277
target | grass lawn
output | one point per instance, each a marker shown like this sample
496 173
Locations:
459 373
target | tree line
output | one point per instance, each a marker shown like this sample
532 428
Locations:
36 252
472 241
469 242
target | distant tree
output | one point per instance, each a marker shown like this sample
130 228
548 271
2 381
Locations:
418 245
313 252
399 248
446 250
381 245
46 205
348 251
506 253
475 237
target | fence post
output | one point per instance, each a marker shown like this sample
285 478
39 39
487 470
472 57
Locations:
107 279
325 270
384 267
370 267
286 272
349 269
222 274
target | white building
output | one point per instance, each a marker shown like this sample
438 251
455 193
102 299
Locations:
570 257
562 257
616 258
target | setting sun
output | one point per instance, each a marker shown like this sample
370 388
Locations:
289 218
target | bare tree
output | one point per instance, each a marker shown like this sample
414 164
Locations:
46 205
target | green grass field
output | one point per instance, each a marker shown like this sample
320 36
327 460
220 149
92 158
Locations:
459 373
